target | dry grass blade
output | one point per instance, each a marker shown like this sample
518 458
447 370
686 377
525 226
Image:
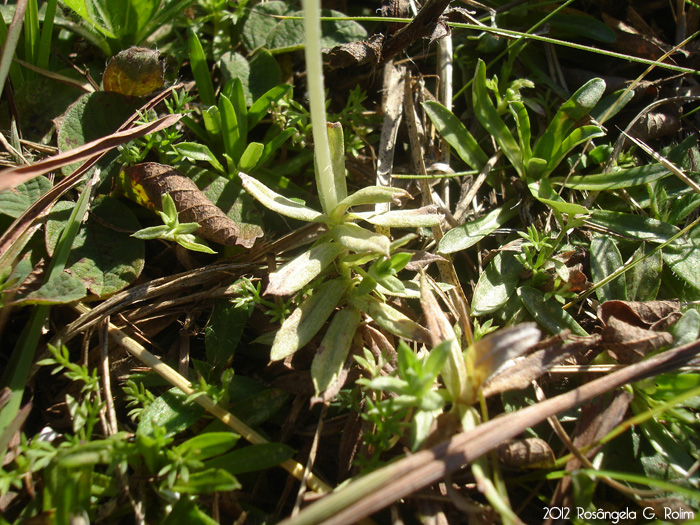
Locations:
666 163
13 177
398 480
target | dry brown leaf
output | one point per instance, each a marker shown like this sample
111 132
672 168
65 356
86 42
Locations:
632 329
526 369
192 205
528 452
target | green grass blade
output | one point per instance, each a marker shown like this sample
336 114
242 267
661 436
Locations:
17 370
488 115
200 70
46 33
11 40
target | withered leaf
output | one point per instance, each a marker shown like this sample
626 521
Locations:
632 329
525 369
357 53
134 72
192 205
651 314
528 452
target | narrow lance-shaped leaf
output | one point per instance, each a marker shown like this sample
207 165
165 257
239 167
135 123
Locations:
333 351
463 237
307 319
336 142
299 272
605 259
456 135
425 217
359 240
488 116
279 203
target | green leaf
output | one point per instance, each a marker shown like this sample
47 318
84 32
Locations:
91 117
567 118
261 21
105 259
456 135
61 289
14 202
548 313
643 280
250 157
496 284
685 331
626 178
684 262
210 480
424 217
257 77
606 259
264 103
522 126
169 412
300 271
371 195
332 353
252 458
336 143
273 145
634 226
224 331
279 203
288 35
389 318
195 151
576 137
185 512
233 135
467 235
200 70
542 190
359 240
307 319
488 116
208 445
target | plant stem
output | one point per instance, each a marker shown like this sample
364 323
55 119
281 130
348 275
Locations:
314 75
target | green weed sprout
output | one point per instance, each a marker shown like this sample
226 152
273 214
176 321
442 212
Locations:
346 244
172 230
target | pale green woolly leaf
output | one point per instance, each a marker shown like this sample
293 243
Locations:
333 352
390 318
371 195
426 217
299 272
336 142
359 240
278 203
307 319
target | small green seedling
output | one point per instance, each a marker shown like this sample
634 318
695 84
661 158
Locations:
172 230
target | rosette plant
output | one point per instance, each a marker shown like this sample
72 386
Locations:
352 267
